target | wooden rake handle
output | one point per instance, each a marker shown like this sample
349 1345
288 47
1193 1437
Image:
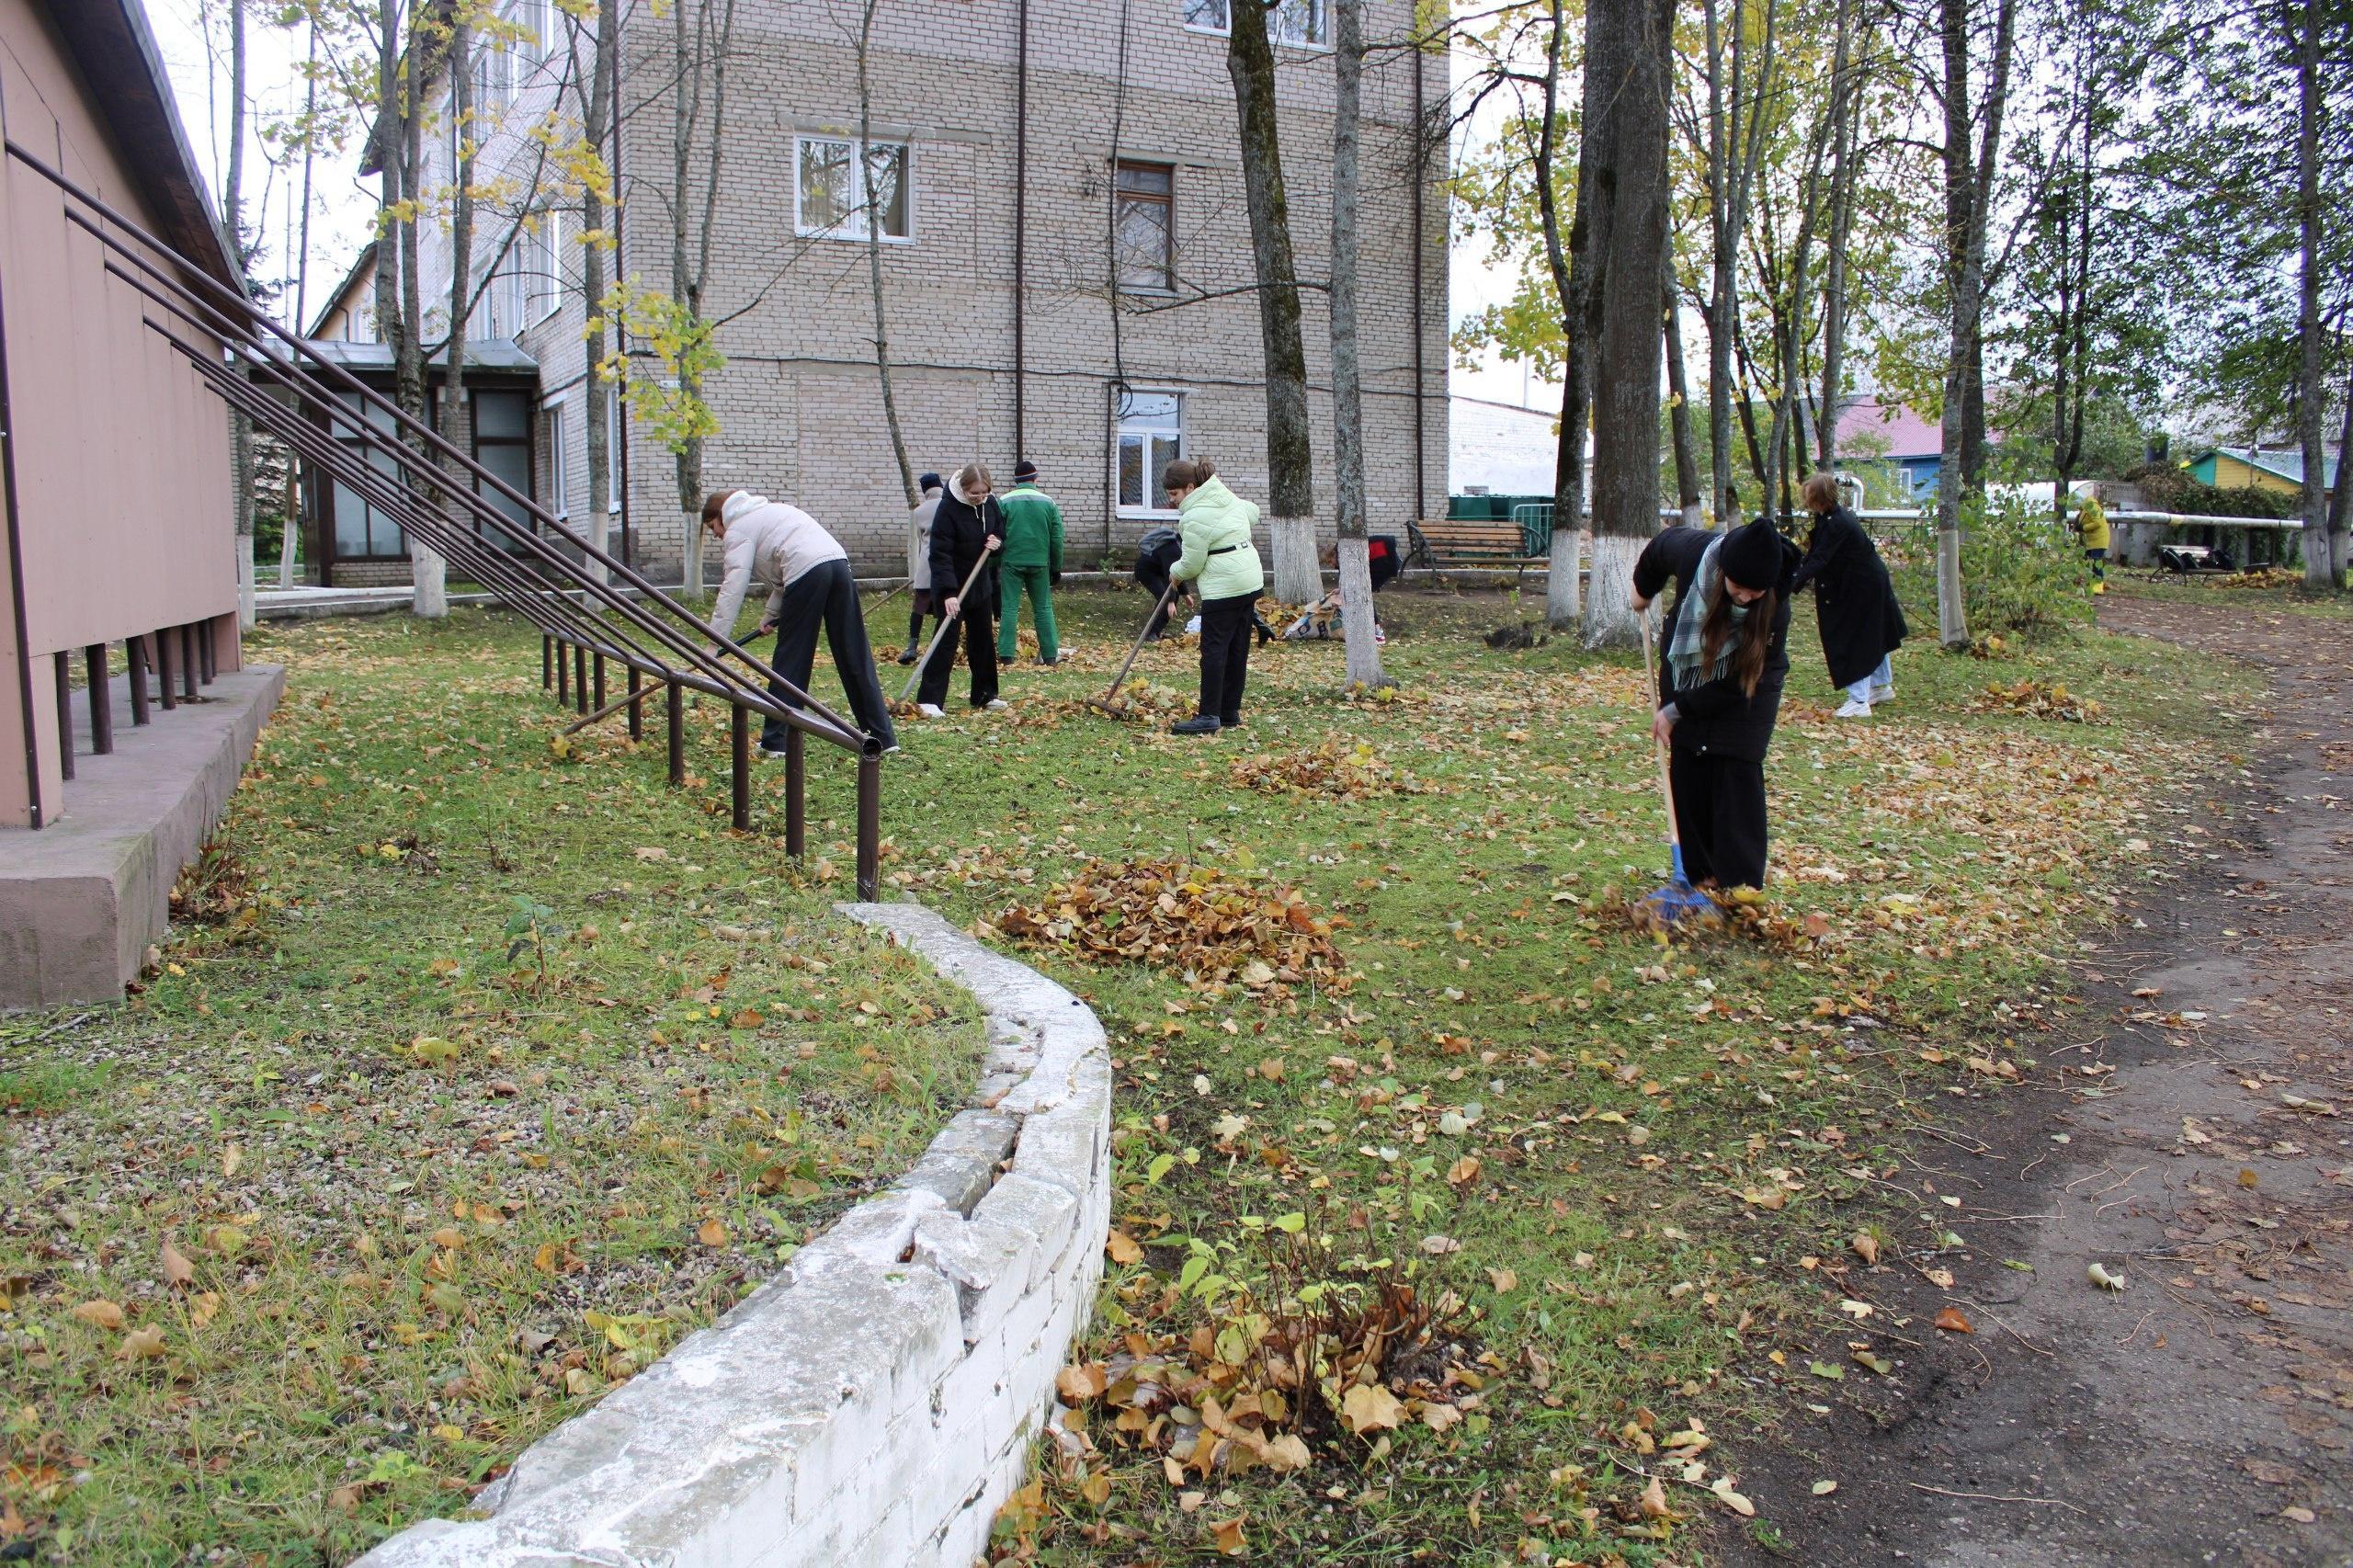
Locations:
1666 781
945 622
1137 647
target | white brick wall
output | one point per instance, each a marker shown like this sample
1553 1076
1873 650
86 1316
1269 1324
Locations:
874 1403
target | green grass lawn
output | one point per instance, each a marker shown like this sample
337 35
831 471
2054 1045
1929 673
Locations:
352 1201
1619 1176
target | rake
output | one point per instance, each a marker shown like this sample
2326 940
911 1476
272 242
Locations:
1678 900
944 627
1108 702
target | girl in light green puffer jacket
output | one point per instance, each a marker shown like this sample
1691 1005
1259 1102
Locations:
1222 564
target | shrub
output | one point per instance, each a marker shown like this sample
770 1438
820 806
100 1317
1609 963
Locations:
2019 574
2170 489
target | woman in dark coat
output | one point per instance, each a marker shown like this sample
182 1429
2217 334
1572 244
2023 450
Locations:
967 526
1724 657
1853 601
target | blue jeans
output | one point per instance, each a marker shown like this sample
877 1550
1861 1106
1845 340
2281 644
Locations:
1881 679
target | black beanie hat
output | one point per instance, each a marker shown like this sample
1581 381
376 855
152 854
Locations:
1751 555
1024 471
928 481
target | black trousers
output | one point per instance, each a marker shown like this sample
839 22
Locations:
827 596
978 616
1719 811
925 604
1226 626
1154 578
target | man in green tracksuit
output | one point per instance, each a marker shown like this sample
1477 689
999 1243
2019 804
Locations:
1031 562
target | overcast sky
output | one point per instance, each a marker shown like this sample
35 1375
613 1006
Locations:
343 205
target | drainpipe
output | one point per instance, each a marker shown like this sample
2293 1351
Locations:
1421 178
1020 229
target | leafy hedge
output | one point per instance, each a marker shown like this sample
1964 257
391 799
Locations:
2166 488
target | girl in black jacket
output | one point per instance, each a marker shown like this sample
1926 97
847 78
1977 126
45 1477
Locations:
967 526
1724 657
1853 600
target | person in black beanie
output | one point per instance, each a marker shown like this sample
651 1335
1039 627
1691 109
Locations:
967 528
1724 656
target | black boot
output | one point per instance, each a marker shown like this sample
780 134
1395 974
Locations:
1205 724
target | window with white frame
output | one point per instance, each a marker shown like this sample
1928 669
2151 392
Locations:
835 188
1304 24
559 491
1146 225
530 40
1152 436
540 248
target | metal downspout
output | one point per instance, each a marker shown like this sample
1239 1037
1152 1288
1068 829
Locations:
1020 232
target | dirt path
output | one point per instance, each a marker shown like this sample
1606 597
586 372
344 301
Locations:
2205 1414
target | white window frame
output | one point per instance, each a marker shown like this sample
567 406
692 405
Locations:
1152 510
853 227
559 485
532 16
544 274
1319 10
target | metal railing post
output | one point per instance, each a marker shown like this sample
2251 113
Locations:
204 651
562 675
796 796
600 680
580 676
547 660
637 709
162 639
677 734
94 659
869 824
741 746
187 662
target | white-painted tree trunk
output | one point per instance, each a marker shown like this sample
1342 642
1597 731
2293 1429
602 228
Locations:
695 536
1609 618
286 536
1357 622
1952 610
1691 517
1298 576
245 581
1564 600
429 596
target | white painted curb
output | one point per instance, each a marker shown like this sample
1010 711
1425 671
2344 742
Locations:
873 1404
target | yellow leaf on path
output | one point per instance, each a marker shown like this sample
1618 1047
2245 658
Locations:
1229 1538
141 1344
1952 1321
99 1314
1463 1172
1652 1502
1122 1247
1769 1199
1504 1281
177 1270
1288 1452
711 1233
202 1309
1437 1417
1369 1408
1866 1246
230 1158
1732 1500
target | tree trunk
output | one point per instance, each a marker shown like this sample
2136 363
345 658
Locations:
1347 384
2320 565
1290 479
1734 151
874 251
1564 600
689 285
1623 184
596 422
1787 443
429 574
1833 288
1678 388
286 537
457 414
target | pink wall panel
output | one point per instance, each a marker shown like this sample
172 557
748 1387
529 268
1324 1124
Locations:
122 457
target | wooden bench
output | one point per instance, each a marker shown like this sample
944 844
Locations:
1441 542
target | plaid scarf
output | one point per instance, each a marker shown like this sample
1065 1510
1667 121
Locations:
1683 652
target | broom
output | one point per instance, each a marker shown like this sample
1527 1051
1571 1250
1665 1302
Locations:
1108 702
945 626
1678 900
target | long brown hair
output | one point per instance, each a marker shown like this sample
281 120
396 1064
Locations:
1755 635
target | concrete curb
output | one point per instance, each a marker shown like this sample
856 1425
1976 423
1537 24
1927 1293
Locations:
874 1403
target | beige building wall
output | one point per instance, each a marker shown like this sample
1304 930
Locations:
122 519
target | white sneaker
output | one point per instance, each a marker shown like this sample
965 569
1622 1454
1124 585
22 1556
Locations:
1853 710
1883 693
994 705
931 710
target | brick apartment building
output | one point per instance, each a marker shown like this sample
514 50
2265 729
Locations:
997 260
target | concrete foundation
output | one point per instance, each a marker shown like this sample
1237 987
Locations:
82 898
